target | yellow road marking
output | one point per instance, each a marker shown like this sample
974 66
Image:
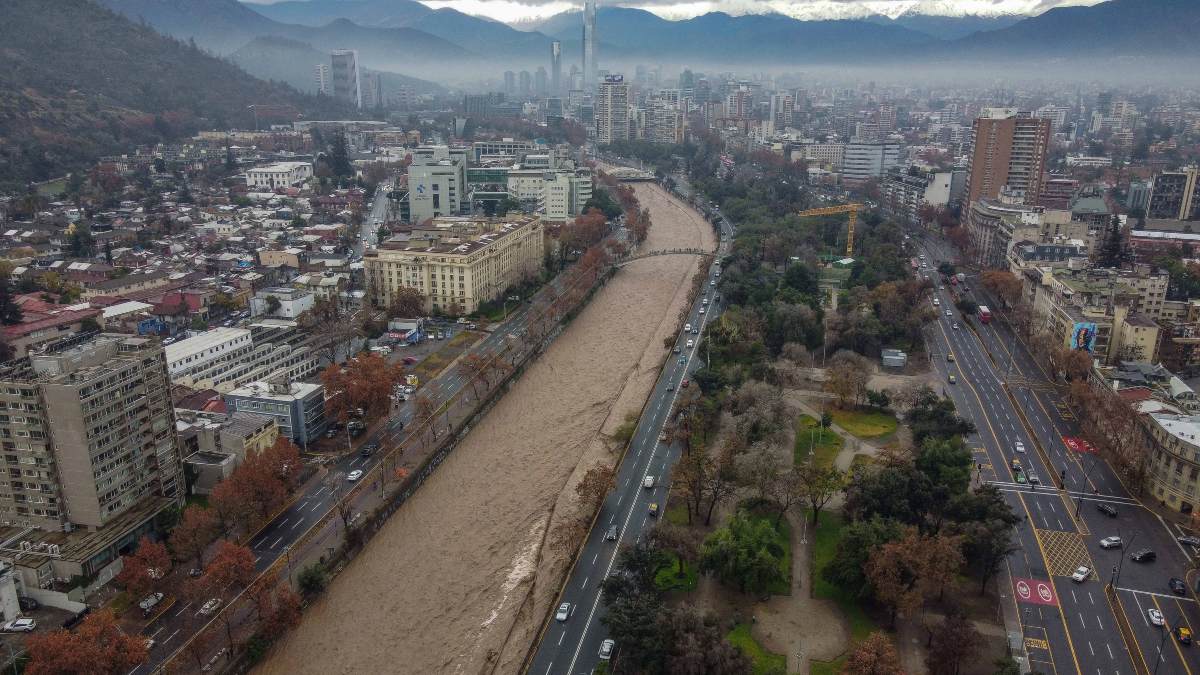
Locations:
1171 638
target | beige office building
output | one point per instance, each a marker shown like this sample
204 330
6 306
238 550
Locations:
456 263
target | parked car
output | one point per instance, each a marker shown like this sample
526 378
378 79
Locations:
564 612
1110 542
20 626
149 602
1081 574
1144 555
210 607
1156 617
368 449
606 649
1107 509
1188 540
1177 586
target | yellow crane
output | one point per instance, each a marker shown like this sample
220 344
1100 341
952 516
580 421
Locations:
851 209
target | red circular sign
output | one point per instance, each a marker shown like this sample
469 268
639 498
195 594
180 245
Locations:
1023 589
1044 592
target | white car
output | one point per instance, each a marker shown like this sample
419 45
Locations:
702 310
648 482
564 611
1110 542
949 313
713 282
1019 446
606 649
1081 574
210 607
936 302
20 626
354 475
1156 617
691 343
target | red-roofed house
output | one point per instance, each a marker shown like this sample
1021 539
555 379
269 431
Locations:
43 322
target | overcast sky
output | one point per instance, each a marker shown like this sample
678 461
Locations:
523 10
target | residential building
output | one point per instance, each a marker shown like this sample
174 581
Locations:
298 408
292 302
347 84
612 109
225 358
210 346
278 176
372 92
1009 152
1175 195
1173 474
903 194
89 437
322 79
214 444
864 161
992 224
825 155
457 264
666 122
563 194
43 322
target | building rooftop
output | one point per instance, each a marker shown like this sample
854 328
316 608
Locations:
202 341
292 391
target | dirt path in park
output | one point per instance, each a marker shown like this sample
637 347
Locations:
462 575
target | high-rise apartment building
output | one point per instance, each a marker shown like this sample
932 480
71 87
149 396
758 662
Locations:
864 161
1175 195
556 68
510 82
782 108
436 182
347 84
88 434
612 110
589 45
540 81
886 118
372 94
525 83
1009 151
322 79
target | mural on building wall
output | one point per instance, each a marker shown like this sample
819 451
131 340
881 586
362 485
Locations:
1083 336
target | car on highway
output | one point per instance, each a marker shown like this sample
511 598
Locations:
606 649
670 386
713 282
691 343
653 510
954 325
937 302
951 379
702 310
1110 542
1183 634
1107 509
950 357
22 625
354 475
368 449
563 613
1177 586
1081 574
1019 446
1188 540
1156 617
1144 555
611 534
696 329
675 350
1033 479
648 482
210 607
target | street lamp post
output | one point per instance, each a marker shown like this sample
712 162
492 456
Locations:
1116 577
511 298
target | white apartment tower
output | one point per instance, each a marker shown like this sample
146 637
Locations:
612 110
321 78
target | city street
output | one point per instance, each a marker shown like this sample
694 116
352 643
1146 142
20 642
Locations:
573 646
1075 631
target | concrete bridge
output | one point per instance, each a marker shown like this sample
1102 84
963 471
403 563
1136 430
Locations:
660 252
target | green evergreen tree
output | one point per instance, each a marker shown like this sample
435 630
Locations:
10 312
339 158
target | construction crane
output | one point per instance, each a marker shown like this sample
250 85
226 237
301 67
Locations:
851 209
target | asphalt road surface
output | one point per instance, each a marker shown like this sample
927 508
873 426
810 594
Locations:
1062 528
573 646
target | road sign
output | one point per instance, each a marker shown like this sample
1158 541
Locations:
1034 591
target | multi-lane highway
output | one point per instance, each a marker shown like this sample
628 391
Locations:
573 645
1001 388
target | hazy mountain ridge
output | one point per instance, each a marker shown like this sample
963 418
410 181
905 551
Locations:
290 61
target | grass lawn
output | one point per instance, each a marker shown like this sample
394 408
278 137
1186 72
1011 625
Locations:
431 365
861 460
866 423
120 603
763 660
824 547
834 667
784 533
668 579
826 444
677 514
